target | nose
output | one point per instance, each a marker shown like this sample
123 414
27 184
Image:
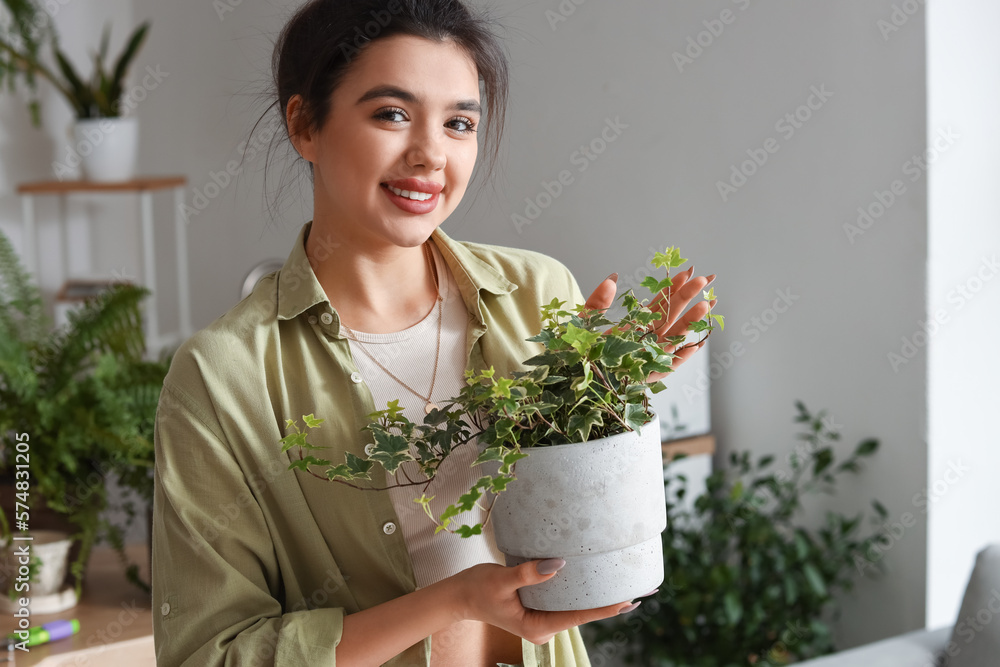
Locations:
427 150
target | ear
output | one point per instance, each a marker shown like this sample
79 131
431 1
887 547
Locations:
299 132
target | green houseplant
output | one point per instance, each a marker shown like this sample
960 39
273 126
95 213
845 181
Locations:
84 398
26 33
748 584
589 382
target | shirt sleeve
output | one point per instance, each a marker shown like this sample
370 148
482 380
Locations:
216 580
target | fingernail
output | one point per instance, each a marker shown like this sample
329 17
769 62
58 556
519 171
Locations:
613 276
625 610
711 278
653 592
550 565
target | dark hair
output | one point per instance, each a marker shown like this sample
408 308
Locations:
318 44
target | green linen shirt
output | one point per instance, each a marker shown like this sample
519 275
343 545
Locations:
255 564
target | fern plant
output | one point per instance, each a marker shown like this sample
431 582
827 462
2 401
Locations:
26 31
84 400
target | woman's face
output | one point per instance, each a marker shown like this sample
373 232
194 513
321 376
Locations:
397 150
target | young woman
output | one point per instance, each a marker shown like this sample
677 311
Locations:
254 564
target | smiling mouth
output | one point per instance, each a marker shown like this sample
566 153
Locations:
409 194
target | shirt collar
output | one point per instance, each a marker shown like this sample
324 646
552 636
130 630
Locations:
298 289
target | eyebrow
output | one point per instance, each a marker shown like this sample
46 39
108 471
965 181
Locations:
406 96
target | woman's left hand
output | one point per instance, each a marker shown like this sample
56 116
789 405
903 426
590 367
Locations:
671 304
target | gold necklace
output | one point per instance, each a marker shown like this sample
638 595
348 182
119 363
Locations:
429 404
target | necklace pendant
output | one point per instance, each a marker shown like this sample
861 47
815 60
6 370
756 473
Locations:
430 406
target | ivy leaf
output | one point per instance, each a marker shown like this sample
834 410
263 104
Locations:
583 424
500 483
669 259
359 467
489 454
340 471
293 440
615 349
467 531
720 320
391 452
306 461
709 295
467 501
311 420
635 416
699 326
656 286
579 339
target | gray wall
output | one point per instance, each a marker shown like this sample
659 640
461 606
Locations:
813 310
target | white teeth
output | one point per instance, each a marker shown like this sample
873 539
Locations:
416 196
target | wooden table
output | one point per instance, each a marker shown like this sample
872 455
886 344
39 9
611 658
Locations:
111 609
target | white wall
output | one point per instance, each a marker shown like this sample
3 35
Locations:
964 298
678 133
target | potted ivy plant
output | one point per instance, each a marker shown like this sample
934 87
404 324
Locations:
77 405
591 490
105 141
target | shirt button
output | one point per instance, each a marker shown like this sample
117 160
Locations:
312 319
165 608
389 528
369 448
356 377
326 317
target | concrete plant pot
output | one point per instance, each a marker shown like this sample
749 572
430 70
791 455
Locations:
600 505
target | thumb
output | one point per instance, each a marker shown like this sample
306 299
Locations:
537 571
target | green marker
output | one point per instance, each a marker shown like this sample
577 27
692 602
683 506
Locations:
45 633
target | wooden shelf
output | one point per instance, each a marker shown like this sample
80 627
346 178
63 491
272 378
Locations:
701 444
133 185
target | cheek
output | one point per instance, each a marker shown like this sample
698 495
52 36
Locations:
463 161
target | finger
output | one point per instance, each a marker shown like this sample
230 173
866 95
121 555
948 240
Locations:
678 282
541 626
678 303
604 295
682 324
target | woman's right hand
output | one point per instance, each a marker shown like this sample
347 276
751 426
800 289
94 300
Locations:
488 593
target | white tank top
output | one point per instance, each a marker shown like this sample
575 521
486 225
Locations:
409 354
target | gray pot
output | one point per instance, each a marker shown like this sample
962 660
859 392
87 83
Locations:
600 505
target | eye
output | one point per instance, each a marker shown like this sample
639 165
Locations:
391 115
462 124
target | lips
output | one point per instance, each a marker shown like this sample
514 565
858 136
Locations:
413 195
404 186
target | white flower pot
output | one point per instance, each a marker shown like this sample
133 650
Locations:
108 147
600 505
46 593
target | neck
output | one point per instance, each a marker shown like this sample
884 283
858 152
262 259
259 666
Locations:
374 288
